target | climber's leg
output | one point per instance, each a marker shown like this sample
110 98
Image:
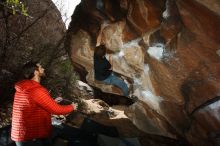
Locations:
114 80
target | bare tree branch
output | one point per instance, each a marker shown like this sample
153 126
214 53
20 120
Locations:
5 44
29 26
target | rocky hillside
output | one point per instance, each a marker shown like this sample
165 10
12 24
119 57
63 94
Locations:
168 53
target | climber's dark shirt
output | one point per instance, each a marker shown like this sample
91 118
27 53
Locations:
101 67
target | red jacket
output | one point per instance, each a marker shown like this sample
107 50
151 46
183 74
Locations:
32 109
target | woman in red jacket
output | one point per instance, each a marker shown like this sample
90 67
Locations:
32 108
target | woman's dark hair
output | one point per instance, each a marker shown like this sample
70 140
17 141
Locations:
28 69
100 51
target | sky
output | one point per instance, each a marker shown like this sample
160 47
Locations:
66 8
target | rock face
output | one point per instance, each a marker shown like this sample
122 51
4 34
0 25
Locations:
168 53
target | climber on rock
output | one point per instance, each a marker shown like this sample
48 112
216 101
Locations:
103 70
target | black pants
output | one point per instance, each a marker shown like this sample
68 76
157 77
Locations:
63 131
37 142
